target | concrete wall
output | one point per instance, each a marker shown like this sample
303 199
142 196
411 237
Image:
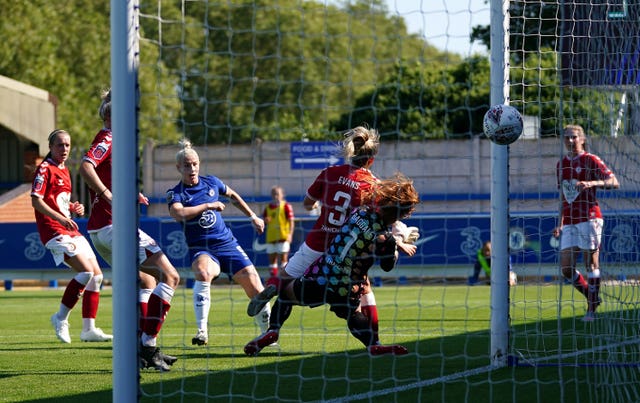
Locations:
27 111
453 176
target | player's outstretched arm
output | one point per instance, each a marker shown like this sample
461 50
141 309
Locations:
238 201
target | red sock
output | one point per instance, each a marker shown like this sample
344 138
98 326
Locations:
143 313
275 280
156 312
72 293
371 312
90 302
580 284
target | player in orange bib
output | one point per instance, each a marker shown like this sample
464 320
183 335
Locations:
337 190
279 219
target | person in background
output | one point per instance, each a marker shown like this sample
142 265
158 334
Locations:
279 223
158 277
579 175
194 203
339 275
50 198
336 191
483 263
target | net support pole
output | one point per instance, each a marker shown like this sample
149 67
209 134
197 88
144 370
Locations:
124 52
499 189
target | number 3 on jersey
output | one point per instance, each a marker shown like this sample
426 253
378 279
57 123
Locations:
340 211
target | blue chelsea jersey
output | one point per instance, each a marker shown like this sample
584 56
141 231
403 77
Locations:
207 228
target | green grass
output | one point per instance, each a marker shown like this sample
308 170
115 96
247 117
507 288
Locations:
446 329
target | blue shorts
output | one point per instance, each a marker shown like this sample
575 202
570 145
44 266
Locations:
230 256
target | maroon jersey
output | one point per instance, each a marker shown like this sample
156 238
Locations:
53 185
339 189
99 155
580 206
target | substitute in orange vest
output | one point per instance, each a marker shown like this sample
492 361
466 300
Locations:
278 217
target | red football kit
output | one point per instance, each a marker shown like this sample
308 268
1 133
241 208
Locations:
339 189
580 206
53 185
99 155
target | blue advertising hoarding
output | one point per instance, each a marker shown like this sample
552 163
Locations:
445 240
314 154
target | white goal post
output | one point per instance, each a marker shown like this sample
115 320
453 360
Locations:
124 79
254 83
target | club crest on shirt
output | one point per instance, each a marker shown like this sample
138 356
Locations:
207 219
38 183
212 192
100 151
570 190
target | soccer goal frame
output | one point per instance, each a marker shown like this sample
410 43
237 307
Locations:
124 70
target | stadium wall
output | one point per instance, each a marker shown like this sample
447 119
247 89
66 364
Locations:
446 249
452 176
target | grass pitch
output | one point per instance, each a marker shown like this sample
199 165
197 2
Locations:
445 328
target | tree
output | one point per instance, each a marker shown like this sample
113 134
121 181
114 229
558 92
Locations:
64 48
278 71
535 27
425 101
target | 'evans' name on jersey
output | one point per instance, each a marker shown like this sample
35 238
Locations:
348 182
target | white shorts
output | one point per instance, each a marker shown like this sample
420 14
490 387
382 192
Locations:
301 260
278 247
103 242
585 235
70 246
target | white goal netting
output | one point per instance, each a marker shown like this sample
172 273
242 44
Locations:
265 88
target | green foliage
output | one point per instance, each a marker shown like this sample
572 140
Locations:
277 70
217 72
43 47
64 48
535 80
239 72
426 101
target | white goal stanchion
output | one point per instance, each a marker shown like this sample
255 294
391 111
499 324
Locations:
264 89
124 69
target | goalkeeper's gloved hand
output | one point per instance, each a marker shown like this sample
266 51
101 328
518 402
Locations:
405 234
412 235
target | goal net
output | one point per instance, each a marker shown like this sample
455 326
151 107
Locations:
264 89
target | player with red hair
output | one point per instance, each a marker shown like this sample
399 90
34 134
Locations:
337 191
339 276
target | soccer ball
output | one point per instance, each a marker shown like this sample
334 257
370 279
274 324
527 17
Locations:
502 124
